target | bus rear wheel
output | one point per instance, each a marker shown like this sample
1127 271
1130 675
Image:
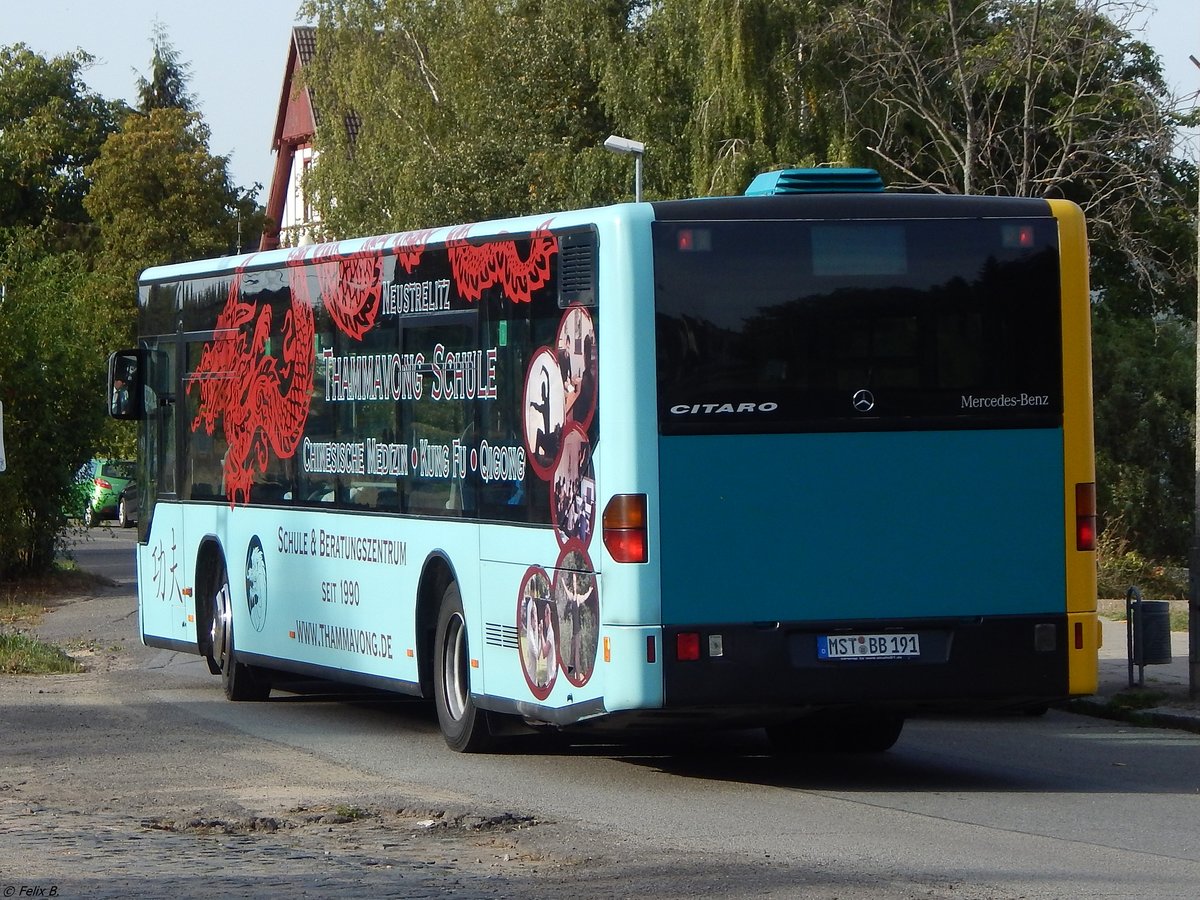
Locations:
240 681
464 726
860 732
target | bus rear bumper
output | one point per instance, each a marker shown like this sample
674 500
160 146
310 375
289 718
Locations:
966 664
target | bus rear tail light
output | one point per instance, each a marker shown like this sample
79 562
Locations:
1085 516
102 483
624 523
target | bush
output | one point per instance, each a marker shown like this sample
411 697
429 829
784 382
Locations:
52 369
1120 567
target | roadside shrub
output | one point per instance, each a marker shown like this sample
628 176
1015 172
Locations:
1121 567
52 358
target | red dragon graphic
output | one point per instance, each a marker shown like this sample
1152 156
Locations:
350 287
410 246
261 400
477 267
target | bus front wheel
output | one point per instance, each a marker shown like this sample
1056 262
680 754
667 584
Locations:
463 725
240 681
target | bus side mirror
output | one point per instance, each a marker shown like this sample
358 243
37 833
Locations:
126 378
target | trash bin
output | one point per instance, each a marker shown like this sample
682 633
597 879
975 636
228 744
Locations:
1147 633
1152 632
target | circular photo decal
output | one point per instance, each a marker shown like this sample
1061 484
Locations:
574 487
256 583
577 604
545 411
575 350
537 638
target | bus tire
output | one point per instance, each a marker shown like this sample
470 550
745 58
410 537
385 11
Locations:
855 733
463 725
240 681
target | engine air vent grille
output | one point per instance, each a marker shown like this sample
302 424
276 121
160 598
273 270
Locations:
577 268
498 635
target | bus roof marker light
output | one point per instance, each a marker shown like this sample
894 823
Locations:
1018 237
693 240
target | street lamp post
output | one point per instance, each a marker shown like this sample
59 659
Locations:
1194 561
637 150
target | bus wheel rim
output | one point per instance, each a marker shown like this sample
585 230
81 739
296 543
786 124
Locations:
455 668
219 633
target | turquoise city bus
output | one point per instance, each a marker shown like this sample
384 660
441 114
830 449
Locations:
814 459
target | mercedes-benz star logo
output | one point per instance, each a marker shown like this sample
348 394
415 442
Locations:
864 400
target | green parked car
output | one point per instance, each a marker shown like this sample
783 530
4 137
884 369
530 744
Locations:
109 479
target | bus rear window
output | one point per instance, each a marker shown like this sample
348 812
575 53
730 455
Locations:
778 326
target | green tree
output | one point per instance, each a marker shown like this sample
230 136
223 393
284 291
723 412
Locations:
476 108
1144 395
460 110
722 90
166 88
158 195
51 128
51 384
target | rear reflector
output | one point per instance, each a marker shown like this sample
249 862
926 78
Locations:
624 524
1085 516
687 645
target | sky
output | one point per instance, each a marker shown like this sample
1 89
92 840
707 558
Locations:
237 50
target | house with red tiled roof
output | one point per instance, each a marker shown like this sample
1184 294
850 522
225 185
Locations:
291 217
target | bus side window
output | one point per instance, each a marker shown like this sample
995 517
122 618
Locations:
437 425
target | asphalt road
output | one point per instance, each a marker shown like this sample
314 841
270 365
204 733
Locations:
1057 806
104 550
1053 807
